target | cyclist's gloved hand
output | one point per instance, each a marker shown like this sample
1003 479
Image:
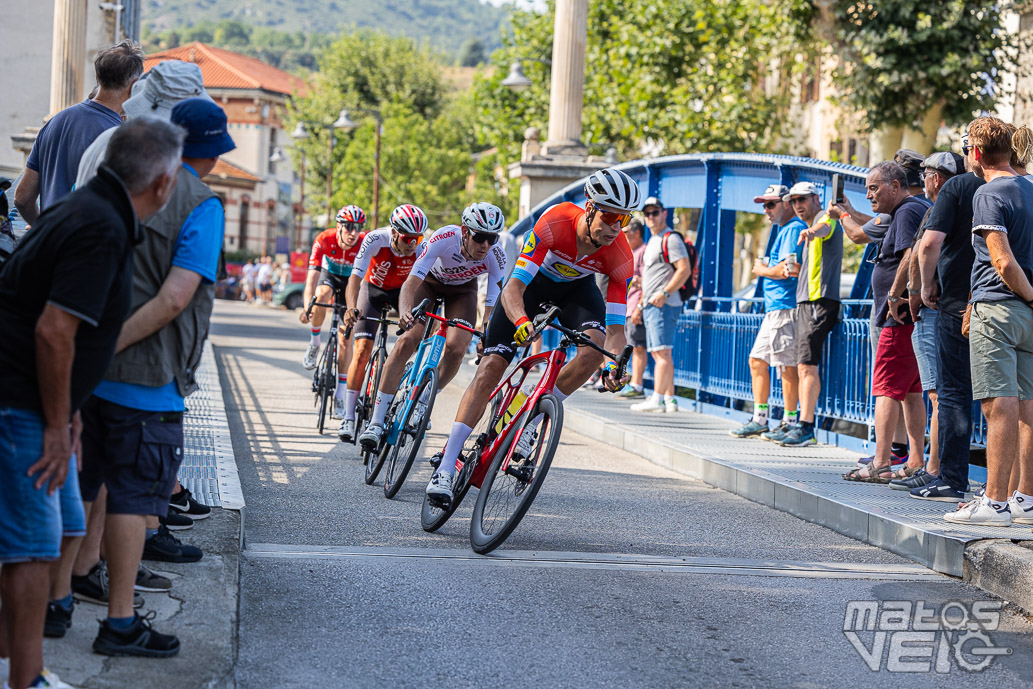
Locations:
610 380
524 331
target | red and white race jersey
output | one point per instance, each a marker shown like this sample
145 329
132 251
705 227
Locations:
552 248
329 255
442 256
378 263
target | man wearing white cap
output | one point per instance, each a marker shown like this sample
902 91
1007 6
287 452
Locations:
817 300
775 344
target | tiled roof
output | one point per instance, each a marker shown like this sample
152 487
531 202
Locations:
224 69
224 169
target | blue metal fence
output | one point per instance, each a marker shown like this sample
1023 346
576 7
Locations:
715 332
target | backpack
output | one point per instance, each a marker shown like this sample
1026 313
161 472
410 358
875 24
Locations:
691 286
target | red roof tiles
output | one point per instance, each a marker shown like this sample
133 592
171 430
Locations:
228 70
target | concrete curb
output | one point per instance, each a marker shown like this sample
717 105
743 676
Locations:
1002 568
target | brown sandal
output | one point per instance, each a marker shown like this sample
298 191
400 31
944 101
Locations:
904 472
863 474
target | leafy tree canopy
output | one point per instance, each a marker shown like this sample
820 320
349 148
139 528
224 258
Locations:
900 58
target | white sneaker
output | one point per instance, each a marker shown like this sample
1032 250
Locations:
655 404
525 444
338 412
1021 510
981 512
371 437
311 357
347 430
671 406
53 681
440 487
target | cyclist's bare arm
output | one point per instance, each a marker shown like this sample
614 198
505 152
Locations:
310 289
406 300
512 299
351 297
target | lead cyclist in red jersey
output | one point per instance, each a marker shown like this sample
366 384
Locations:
565 248
383 264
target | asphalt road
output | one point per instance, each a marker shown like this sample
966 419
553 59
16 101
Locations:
622 574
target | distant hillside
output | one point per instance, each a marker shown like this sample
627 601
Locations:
445 24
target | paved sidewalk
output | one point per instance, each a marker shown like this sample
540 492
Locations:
807 483
201 609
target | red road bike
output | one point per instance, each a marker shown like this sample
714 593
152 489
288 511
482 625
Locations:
508 481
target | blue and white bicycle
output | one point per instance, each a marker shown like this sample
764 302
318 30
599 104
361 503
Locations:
409 413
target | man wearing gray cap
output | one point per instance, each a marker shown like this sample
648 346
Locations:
774 345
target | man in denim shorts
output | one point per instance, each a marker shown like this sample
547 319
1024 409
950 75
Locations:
665 268
63 297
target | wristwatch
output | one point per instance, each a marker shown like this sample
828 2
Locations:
667 295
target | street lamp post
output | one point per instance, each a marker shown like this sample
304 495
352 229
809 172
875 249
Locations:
347 124
301 134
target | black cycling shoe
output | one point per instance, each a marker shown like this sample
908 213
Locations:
138 640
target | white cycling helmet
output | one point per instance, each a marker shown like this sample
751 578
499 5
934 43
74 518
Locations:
483 217
613 190
409 219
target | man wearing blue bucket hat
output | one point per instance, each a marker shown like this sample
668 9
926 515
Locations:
133 423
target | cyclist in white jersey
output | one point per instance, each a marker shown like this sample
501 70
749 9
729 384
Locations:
448 267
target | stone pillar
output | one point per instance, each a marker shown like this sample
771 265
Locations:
568 78
67 63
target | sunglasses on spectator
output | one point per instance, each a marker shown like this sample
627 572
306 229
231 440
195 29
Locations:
650 214
408 239
966 149
484 238
613 218
768 205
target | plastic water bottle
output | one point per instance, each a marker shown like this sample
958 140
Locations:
514 406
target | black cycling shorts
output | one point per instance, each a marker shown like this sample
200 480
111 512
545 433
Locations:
371 303
337 283
582 304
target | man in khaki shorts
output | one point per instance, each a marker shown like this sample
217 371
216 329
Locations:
775 344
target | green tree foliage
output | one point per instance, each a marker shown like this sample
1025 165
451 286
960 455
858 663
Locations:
472 53
427 136
443 24
688 73
902 57
289 51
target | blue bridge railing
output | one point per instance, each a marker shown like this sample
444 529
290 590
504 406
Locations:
716 331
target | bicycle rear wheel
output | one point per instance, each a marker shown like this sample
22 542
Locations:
373 460
410 435
433 518
506 494
327 380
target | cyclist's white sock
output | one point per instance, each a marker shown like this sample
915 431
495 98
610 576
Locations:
454 445
314 339
342 385
380 408
351 398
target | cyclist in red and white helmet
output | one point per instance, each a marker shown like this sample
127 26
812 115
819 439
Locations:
382 265
329 266
448 266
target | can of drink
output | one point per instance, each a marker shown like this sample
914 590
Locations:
792 264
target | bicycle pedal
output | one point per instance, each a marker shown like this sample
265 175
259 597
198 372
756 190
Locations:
435 459
439 501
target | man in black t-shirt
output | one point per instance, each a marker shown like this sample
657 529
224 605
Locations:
945 259
63 297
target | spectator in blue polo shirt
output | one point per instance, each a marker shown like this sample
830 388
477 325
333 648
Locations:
774 345
54 159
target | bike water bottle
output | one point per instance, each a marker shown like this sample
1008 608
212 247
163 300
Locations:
514 406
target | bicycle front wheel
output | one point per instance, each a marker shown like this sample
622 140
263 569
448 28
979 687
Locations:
410 435
327 381
506 494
